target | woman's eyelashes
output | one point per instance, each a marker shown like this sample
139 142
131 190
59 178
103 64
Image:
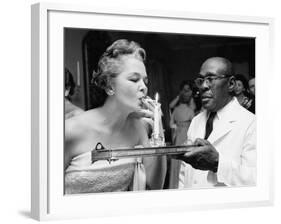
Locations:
137 78
134 79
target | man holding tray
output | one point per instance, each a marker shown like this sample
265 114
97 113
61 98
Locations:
224 133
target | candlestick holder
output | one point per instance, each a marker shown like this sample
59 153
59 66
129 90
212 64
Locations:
157 140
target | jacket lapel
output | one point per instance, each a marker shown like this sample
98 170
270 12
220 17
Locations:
225 123
224 127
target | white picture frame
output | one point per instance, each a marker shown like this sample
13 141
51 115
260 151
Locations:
48 201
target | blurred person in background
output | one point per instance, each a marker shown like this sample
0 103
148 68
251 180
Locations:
252 86
70 109
242 93
181 117
252 89
182 114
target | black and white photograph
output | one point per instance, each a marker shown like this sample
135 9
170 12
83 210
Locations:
143 112
157 111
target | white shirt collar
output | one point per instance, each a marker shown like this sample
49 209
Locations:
226 111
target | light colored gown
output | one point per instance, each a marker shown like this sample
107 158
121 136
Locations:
83 176
182 116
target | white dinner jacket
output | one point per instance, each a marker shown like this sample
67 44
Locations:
234 137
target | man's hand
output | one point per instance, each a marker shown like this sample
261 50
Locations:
202 157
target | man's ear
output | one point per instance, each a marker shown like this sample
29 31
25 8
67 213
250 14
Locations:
231 84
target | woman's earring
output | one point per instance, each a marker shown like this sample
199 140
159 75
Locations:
110 92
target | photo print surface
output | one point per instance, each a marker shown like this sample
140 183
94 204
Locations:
133 92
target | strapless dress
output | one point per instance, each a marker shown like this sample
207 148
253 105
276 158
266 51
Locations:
83 176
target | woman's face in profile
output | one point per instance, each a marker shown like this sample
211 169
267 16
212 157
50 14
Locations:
130 84
186 93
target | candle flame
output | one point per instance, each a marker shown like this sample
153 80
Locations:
156 97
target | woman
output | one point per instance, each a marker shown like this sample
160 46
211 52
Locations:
180 121
121 80
241 92
182 114
175 102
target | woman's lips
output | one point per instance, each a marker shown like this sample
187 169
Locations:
142 101
146 100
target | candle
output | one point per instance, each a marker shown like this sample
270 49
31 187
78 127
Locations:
78 74
156 117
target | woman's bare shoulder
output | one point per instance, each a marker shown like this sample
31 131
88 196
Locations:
76 126
77 130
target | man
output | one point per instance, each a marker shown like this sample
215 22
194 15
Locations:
224 133
252 86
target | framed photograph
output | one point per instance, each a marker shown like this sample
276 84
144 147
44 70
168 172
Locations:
74 51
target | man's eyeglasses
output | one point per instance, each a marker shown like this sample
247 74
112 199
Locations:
209 79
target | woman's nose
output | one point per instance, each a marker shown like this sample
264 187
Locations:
143 87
